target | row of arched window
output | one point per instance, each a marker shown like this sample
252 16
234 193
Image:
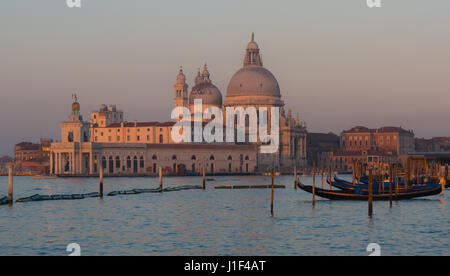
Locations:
193 157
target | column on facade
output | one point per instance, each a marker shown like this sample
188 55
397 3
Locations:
80 161
91 162
51 163
59 163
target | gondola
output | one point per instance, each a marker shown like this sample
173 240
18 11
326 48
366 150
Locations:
350 195
377 188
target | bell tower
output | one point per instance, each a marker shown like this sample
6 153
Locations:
181 90
75 130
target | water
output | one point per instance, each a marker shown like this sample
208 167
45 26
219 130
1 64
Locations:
214 222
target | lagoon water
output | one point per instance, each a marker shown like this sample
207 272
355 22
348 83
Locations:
214 222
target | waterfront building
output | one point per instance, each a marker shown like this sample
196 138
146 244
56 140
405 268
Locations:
392 140
140 147
32 158
435 144
372 146
76 154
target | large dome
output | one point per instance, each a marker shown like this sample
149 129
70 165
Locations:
253 84
253 81
208 93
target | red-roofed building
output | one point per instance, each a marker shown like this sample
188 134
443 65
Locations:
372 146
391 140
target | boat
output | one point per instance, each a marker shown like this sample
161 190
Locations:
44 177
351 195
211 179
377 186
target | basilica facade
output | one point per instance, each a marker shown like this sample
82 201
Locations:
139 148
251 86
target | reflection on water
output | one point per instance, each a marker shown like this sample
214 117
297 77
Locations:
214 222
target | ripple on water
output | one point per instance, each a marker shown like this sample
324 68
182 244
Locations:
214 222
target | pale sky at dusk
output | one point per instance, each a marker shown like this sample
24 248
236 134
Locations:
338 63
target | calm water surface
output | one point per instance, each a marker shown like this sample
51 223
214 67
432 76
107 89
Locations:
214 222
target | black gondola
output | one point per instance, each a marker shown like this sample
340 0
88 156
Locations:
377 186
349 195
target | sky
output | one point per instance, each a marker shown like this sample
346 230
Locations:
339 63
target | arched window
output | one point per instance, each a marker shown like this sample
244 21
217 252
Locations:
117 162
128 162
211 157
141 162
111 164
193 157
154 157
174 157
229 168
154 167
246 167
161 139
193 167
135 164
247 158
230 158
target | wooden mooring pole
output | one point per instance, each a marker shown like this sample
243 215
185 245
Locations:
295 177
390 185
314 184
322 176
353 172
330 178
160 178
271 198
10 183
204 178
100 190
370 193
446 172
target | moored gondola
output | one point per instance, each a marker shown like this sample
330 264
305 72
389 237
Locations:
377 187
351 195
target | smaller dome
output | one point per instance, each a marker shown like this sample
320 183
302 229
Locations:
103 107
208 93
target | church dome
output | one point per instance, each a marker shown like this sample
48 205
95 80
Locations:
253 81
208 93
205 90
253 84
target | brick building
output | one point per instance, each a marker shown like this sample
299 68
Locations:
32 158
372 146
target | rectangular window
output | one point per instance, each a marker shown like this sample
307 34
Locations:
118 138
139 138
